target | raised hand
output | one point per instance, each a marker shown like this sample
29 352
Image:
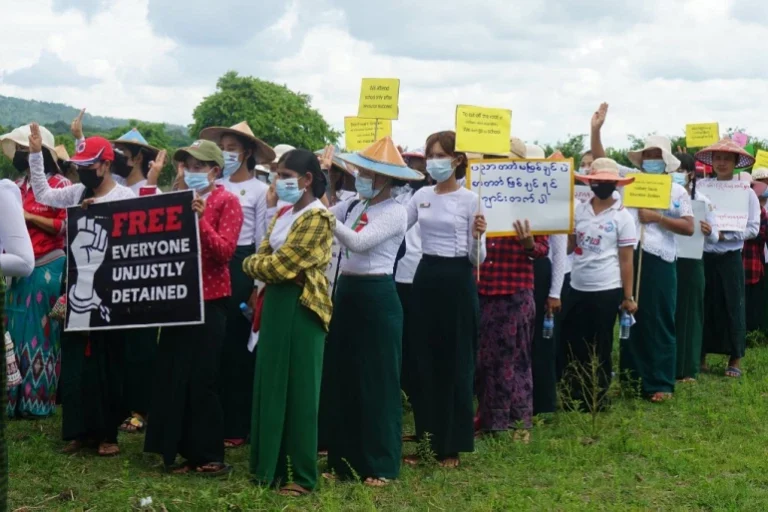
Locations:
77 126
598 118
156 167
326 160
35 139
272 196
523 230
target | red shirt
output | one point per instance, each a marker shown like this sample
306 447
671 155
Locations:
753 255
219 231
42 241
508 267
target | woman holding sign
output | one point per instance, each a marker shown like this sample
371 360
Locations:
649 353
364 342
689 320
186 412
445 302
601 284
725 329
92 362
292 260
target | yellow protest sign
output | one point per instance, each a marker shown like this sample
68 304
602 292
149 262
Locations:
701 135
361 133
761 159
379 98
651 191
483 130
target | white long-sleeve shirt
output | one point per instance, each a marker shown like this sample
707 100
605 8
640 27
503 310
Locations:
446 222
558 249
252 194
67 196
17 258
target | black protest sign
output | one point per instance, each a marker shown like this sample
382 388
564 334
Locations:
134 263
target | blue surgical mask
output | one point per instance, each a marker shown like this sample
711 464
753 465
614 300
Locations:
680 178
364 187
197 181
654 166
440 169
231 163
288 190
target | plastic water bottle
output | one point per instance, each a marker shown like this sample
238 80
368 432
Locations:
549 326
625 322
247 311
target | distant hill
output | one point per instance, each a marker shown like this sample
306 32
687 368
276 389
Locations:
57 117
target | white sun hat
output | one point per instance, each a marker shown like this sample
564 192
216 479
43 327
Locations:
534 151
21 135
656 142
280 150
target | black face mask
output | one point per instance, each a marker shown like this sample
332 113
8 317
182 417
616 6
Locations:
603 190
121 167
89 178
21 160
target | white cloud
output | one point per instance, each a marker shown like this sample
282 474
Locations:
660 64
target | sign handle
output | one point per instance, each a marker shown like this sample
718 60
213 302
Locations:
639 265
479 238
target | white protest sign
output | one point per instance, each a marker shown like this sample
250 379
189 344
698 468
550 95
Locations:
541 191
692 247
730 200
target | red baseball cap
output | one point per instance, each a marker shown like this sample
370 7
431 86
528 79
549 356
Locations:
92 150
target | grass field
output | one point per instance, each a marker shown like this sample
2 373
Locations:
705 450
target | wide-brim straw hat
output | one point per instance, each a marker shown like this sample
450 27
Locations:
134 138
61 152
337 162
656 142
517 149
534 151
264 152
726 145
604 170
382 157
761 173
21 135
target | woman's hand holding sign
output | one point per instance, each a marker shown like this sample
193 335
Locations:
523 230
479 226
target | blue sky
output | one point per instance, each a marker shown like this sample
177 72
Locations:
660 64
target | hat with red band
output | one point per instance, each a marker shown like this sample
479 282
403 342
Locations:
92 150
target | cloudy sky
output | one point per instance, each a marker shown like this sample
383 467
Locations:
659 63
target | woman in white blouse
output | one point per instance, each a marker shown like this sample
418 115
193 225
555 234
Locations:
446 304
363 356
648 356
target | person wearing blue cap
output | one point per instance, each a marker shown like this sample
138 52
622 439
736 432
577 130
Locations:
139 157
364 385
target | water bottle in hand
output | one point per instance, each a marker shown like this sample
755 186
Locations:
625 322
247 311
549 326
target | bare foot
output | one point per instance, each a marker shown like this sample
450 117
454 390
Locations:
293 491
450 462
522 436
108 449
73 447
412 460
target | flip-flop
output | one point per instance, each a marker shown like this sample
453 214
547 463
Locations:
134 421
733 372
180 469
376 482
412 460
223 469
410 439
660 397
234 443
293 491
114 450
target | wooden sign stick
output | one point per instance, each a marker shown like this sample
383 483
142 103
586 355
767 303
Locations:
639 265
479 238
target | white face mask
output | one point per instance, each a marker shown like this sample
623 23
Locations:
231 164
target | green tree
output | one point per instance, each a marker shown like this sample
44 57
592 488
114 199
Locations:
276 114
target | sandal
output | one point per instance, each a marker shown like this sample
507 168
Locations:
329 476
376 482
213 469
234 443
322 453
73 447
522 436
109 450
686 380
293 491
733 372
660 397
450 462
412 460
180 469
133 425
410 439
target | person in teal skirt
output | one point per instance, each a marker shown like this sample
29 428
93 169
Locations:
294 321
364 354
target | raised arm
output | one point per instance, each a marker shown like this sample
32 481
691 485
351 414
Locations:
56 197
596 143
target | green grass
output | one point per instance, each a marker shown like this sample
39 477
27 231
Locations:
705 450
